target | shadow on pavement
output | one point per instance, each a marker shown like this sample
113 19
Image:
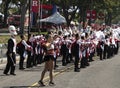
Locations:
22 87
3 75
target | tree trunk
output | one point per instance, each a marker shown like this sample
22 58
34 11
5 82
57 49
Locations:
83 15
23 12
6 3
108 19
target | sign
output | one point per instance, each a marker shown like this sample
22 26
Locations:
35 6
91 14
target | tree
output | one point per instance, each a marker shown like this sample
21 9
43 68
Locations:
18 5
5 4
109 8
83 7
68 8
24 7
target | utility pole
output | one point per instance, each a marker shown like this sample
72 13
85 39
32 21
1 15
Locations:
39 6
41 14
90 20
29 24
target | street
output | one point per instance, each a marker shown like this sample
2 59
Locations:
100 74
84 36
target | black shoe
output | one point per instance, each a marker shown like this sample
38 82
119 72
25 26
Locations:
68 61
91 60
41 83
64 64
27 66
71 61
56 66
21 68
82 67
5 73
13 74
51 83
87 64
76 70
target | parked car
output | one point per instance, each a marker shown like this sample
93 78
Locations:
15 20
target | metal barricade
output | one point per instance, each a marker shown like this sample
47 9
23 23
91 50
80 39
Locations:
3 50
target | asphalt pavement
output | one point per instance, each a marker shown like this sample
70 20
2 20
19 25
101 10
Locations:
100 74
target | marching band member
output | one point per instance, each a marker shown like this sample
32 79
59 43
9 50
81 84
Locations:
112 44
64 51
57 51
29 59
11 52
41 50
87 43
23 53
116 38
106 47
75 49
70 41
83 50
37 48
92 50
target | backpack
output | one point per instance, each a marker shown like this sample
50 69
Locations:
19 47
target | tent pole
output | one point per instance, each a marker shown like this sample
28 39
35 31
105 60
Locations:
41 14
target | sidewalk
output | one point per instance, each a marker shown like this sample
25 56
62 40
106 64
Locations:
4 30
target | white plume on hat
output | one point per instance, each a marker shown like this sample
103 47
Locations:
12 30
83 34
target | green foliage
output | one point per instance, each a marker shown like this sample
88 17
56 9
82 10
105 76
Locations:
4 38
116 20
111 8
68 8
